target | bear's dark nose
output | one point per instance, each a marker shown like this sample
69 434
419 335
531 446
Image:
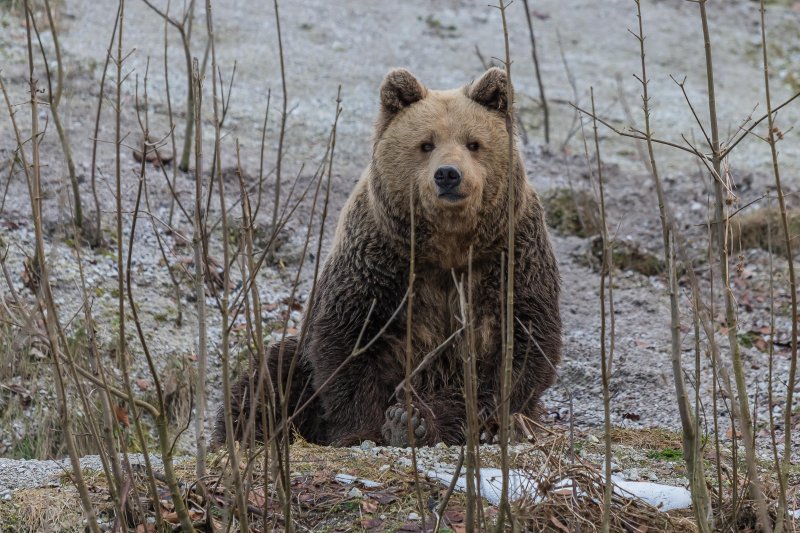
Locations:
447 178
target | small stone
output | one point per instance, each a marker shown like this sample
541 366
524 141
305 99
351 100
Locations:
367 445
355 492
413 516
631 474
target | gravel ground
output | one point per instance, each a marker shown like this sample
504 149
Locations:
353 44
26 474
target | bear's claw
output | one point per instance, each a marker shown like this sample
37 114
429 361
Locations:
395 429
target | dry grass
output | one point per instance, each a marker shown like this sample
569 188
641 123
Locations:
625 256
323 503
44 509
572 212
758 228
647 439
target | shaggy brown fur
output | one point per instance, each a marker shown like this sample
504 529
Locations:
419 131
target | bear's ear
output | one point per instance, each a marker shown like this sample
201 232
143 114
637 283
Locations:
400 89
490 90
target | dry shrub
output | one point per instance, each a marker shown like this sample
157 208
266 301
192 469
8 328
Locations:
555 506
756 229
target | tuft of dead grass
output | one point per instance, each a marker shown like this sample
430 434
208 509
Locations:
572 212
757 228
43 509
647 439
627 256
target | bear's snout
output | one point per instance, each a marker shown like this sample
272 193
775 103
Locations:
448 178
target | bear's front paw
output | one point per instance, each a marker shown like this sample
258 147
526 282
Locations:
395 429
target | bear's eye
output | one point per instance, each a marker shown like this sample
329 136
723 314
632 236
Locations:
427 147
473 146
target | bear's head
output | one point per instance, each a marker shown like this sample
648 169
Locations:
450 148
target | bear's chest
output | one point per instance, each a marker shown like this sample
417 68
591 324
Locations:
439 320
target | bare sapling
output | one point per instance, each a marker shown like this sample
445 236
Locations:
606 349
773 136
47 306
266 399
97 236
690 426
472 426
104 436
54 99
409 355
284 117
261 156
160 412
508 312
199 274
721 229
171 117
184 29
324 173
535 57
122 346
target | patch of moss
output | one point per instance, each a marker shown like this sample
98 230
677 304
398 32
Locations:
436 24
572 212
746 340
666 454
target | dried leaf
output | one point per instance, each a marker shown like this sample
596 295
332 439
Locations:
760 344
371 523
369 506
556 522
306 497
383 497
294 305
121 415
256 497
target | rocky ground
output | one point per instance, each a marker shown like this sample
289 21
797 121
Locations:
352 44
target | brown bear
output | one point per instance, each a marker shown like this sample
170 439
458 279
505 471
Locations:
449 149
